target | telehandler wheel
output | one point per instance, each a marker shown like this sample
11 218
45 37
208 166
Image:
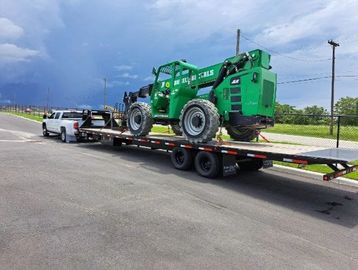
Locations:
199 121
176 129
182 158
241 134
207 164
140 119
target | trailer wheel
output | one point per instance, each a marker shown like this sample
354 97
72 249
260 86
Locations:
241 134
140 119
207 164
181 158
176 129
253 165
63 134
45 131
199 121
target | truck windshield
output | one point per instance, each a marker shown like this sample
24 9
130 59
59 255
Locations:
71 115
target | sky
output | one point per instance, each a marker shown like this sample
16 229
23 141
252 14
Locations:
60 51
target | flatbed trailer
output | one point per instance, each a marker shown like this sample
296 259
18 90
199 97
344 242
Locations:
228 157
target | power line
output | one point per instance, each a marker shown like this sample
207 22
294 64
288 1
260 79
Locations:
281 54
317 78
305 80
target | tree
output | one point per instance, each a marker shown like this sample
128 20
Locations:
347 106
316 115
285 114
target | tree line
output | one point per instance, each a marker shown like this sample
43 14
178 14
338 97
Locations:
316 115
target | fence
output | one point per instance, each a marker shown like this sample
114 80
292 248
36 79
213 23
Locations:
302 129
315 130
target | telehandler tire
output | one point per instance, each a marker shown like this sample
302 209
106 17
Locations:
199 121
176 129
241 134
140 119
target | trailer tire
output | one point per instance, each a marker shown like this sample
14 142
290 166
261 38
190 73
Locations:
140 119
241 134
207 164
63 134
182 159
176 129
199 121
45 131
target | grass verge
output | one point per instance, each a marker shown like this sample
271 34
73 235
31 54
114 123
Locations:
319 168
37 118
349 133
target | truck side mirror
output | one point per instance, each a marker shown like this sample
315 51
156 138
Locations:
44 116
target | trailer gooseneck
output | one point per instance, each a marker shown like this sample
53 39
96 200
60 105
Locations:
216 158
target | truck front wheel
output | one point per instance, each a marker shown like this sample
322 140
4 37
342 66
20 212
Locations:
63 135
44 131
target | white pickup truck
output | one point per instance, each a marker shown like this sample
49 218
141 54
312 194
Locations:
64 123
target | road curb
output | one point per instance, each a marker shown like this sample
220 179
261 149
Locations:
313 175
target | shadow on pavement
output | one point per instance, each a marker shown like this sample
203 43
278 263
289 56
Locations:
322 200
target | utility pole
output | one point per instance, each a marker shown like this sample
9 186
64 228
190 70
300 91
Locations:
334 45
105 93
238 42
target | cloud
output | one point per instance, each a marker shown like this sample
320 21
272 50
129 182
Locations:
71 46
10 53
9 30
148 78
123 67
327 19
128 75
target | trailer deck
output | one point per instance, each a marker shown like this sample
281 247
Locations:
337 159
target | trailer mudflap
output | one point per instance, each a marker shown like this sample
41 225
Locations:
229 165
267 163
339 172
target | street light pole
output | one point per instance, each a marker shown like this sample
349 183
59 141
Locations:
334 45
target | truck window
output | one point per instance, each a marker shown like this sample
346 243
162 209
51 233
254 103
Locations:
57 116
51 116
71 115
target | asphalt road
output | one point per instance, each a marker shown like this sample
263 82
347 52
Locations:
90 206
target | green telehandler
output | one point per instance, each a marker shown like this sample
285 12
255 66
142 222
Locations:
240 96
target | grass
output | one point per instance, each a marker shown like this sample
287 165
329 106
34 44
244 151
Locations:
319 168
37 118
349 133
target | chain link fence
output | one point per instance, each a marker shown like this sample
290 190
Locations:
315 130
300 129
